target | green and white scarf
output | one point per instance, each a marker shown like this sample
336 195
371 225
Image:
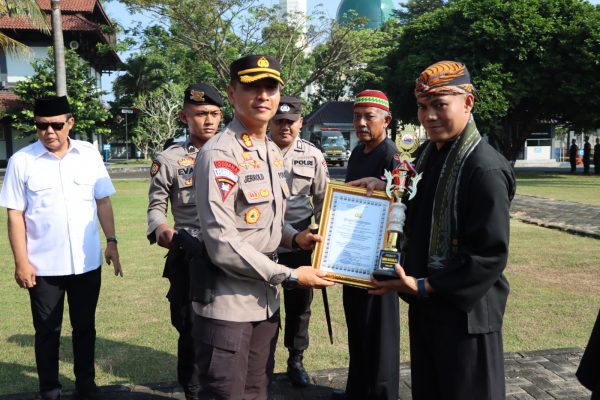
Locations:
443 241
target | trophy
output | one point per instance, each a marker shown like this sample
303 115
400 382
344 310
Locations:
401 183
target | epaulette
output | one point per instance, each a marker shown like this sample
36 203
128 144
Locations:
308 143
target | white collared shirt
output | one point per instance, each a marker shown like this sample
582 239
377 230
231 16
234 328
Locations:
58 197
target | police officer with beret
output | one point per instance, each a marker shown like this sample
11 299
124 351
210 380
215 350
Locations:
307 176
241 188
171 180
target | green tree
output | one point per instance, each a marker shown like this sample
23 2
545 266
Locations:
221 31
84 96
27 9
531 61
158 120
413 9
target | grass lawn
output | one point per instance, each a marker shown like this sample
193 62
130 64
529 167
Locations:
555 279
578 188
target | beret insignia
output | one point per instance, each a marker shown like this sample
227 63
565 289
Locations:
197 95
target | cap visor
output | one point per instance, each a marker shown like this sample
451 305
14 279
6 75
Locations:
254 78
289 117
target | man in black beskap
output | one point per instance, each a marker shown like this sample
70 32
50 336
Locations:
373 321
456 247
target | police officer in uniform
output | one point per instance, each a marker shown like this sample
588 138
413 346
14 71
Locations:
241 189
172 181
307 177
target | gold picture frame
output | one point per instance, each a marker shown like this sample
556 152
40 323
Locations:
353 226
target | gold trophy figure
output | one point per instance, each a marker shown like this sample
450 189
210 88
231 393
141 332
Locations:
401 183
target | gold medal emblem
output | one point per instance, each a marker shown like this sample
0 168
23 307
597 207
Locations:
197 95
263 62
252 215
264 192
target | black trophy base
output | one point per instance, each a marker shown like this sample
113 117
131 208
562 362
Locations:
387 264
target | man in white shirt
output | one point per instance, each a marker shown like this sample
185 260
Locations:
53 190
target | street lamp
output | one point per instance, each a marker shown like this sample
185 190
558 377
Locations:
126 112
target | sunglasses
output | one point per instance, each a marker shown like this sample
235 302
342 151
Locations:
57 126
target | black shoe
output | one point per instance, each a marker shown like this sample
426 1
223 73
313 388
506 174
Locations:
339 395
296 371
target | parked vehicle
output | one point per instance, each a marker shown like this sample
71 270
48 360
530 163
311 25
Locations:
333 145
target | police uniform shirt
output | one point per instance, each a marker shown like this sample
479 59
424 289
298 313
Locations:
58 197
171 179
307 176
240 197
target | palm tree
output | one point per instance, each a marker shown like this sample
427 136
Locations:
26 9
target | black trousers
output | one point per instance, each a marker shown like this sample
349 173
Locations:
573 162
586 165
373 343
597 165
182 317
297 305
235 359
47 305
448 363
187 369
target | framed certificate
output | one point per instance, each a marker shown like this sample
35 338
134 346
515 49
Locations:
353 226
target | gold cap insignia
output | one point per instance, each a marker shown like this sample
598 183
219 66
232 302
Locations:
196 95
263 62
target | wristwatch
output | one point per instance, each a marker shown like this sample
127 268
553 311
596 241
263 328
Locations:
112 239
291 282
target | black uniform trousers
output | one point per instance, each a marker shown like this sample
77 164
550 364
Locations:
47 305
235 359
588 372
373 343
448 363
182 316
297 304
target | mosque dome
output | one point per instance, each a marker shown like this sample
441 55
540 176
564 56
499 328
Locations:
376 11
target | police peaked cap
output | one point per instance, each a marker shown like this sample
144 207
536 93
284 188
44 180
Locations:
255 67
289 108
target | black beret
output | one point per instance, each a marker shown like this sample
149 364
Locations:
200 94
51 106
255 67
289 108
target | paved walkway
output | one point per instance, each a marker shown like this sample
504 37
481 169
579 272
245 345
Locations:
577 218
538 375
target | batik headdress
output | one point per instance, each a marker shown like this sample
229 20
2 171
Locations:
444 77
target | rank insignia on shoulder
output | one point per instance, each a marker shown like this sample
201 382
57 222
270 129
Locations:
186 161
247 140
154 168
252 215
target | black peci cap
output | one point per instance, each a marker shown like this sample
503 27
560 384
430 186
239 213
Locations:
200 94
255 67
289 108
51 106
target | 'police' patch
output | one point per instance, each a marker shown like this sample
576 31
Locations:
252 215
304 163
154 168
226 176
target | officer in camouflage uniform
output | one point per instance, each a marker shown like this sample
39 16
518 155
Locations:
241 189
172 181
307 176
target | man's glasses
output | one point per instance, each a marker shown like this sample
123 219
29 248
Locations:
57 126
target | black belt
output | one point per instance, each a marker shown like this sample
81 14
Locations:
273 256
